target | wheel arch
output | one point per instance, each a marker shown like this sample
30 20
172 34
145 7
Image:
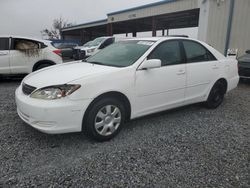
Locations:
42 62
115 94
221 79
224 82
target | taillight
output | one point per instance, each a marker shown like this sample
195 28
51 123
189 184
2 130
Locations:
58 52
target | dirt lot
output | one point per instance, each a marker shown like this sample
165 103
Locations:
186 147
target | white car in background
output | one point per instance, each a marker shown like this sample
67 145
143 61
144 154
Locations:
92 47
126 80
22 55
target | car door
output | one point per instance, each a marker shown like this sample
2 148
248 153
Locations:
161 88
202 70
4 55
24 54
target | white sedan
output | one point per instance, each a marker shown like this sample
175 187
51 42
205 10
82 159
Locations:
124 81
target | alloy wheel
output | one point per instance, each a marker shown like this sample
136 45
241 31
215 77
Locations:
107 120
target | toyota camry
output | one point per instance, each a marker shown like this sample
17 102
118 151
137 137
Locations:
126 80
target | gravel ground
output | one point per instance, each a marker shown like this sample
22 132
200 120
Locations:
185 147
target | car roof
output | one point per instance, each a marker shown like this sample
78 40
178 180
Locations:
22 37
105 37
155 39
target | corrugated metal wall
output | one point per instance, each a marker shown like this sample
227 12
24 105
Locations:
179 5
240 34
217 24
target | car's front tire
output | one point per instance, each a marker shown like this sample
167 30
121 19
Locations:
104 119
216 95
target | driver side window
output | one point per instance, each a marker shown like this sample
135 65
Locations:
168 52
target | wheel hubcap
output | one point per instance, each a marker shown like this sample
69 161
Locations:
107 120
217 96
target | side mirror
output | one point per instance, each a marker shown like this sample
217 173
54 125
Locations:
150 64
248 51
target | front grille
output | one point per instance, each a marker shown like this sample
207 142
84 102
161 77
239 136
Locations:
75 54
27 89
78 54
75 51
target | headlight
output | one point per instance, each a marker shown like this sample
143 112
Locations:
90 50
54 92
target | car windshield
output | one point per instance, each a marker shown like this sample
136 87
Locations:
96 42
88 44
121 54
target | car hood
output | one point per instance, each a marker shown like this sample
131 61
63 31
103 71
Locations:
86 48
64 73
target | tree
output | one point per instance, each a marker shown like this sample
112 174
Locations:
55 31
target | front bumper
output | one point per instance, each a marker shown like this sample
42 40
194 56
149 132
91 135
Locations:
233 83
52 117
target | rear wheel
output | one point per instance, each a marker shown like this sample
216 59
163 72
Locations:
216 95
104 119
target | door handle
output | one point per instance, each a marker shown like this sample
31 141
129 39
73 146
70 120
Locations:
215 67
180 72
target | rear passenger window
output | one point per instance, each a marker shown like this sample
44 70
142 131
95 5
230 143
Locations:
4 43
168 52
195 52
23 44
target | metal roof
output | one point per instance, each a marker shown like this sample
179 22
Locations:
105 21
88 24
142 7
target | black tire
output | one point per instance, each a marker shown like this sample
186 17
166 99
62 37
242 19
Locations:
42 65
90 119
216 95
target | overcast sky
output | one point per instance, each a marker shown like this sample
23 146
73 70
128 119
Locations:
29 17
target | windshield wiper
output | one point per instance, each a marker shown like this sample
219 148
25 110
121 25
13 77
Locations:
98 63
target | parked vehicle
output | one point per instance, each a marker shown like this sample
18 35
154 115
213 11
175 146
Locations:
126 80
79 54
244 65
21 55
66 46
92 47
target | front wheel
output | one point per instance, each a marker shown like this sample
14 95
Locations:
216 95
104 119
